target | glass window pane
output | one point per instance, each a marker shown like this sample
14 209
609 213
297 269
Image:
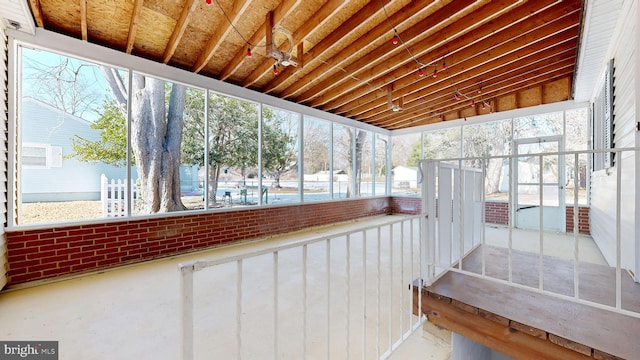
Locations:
577 136
317 144
280 155
71 128
192 150
342 161
538 125
487 140
406 155
158 117
233 152
364 163
380 171
442 144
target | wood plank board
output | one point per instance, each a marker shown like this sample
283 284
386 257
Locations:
604 330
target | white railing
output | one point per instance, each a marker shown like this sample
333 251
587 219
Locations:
114 196
346 295
450 193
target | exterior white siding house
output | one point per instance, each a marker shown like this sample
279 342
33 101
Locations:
405 177
47 145
623 51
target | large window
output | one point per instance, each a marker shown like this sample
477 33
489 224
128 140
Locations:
280 143
317 160
232 163
84 152
405 156
69 138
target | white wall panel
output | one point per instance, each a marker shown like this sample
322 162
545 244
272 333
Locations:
603 187
3 151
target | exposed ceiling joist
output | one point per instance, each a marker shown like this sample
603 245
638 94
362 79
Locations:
345 46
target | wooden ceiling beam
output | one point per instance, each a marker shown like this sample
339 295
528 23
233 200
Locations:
514 81
284 9
418 45
483 53
220 33
386 54
525 61
330 8
178 30
429 118
481 40
36 10
361 18
83 19
133 25
445 95
569 41
401 18
424 115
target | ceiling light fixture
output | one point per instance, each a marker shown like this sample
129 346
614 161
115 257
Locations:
435 73
392 106
249 54
420 72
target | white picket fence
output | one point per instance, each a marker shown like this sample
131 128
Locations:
114 196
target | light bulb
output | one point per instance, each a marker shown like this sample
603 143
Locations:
249 54
395 40
420 73
435 73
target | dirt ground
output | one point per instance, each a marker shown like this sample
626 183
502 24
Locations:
37 213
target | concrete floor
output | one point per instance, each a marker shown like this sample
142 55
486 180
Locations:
134 312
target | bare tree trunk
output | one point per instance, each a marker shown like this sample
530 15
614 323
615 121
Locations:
155 140
170 175
494 169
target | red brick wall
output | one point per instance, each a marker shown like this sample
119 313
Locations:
405 205
64 250
496 212
583 220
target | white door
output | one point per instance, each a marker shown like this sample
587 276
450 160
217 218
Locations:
539 184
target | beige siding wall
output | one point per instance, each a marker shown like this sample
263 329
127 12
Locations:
3 152
603 190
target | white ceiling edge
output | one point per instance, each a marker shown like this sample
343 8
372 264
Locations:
17 16
496 116
600 21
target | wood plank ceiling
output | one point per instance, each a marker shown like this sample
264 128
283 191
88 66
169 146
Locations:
452 59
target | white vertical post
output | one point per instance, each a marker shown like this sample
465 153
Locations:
275 304
541 233
104 195
364 294
445 211
239 308
187 312
512 202
304 300
576 227
461 199
328 260
483 215
390 288
348 252
618 232
402 279
378 294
